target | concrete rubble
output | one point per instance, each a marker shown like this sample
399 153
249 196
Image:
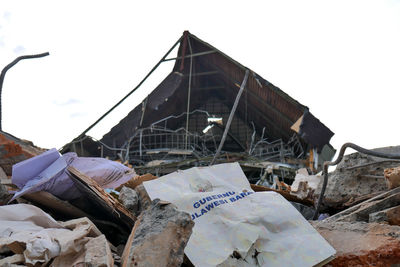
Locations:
159 237
367 233
358 176
4 195
362 244
122 226
129 198
107 203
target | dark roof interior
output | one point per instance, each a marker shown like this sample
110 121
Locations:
215 78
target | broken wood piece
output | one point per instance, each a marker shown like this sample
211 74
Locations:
49 202
287 195
159 237
109 206
137 180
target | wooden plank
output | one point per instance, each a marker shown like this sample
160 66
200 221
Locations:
47 201
108 204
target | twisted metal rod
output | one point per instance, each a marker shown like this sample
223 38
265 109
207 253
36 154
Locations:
9 66
339 159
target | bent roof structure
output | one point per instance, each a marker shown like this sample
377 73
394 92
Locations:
204 78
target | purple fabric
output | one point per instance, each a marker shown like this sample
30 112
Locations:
48 173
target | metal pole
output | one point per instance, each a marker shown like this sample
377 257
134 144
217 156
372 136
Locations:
188 98
133 90
228 124
192 55
9 66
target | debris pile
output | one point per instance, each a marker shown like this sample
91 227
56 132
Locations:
263 203
64 210
36 238
367 234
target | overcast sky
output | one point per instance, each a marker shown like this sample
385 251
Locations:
339 58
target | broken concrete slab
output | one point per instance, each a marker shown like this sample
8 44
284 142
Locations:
5 196
392 176
98 253
356 176
159 237
3 175
130 199
144 199
362 210
361 244
362 214
390 216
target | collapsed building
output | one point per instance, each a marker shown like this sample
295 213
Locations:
99 212
182 121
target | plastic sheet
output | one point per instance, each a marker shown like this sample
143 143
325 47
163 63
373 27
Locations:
263 228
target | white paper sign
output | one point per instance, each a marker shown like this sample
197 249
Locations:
264 228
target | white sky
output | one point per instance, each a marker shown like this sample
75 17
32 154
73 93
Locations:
339 58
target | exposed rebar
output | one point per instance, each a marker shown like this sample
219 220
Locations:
9 66
339 159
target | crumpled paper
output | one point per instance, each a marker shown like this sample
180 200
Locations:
27 230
